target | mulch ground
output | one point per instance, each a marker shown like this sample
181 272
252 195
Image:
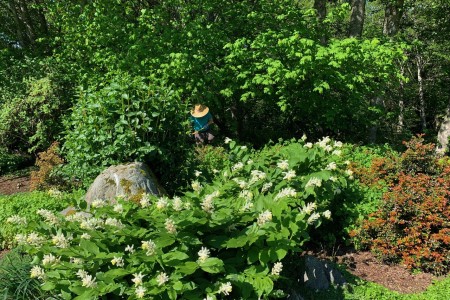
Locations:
361 264
9 186
394 277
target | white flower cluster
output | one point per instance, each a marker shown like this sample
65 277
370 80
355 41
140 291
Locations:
130 248
97 203
86 279
138 279
18 220
266 186
55 193
114 223
177 204
196 186
349 173
308 145
289 175
162 203
309 208
49 216
242 184
203 254
162 278
33 239
314 181
85 236
313 217
277 268
246 194
76 261
92 223
256 176
145 200
226 288
236 167
208 203
118 261
331 166
228 140
170 226
77 217
37 272
324 142
283 165
140 292
50 259
118 208
150 246
285 192
327 214
264 217
61 241
247 205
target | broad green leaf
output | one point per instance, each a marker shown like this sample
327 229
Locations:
212 265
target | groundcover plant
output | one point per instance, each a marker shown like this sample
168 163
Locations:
223 238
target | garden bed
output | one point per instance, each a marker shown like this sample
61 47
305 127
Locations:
361 264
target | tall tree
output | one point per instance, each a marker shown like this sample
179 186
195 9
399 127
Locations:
26 22
392 15
357 18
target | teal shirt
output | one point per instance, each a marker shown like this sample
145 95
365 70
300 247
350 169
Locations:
201 124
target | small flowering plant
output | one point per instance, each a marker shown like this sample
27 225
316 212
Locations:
225 238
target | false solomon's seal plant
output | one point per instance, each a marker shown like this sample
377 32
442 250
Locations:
224 239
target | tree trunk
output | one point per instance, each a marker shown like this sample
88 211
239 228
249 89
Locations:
444 132
27 22
20 32
392 16
419 61
357 18
321 9
401 104
373 132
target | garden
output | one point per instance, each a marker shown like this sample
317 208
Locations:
331 124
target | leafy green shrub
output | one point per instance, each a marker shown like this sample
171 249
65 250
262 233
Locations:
10 162
15 281
127 119
24 205
31 122
226 237
411 226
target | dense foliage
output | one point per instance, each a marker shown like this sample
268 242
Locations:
26 205
225 237
411 225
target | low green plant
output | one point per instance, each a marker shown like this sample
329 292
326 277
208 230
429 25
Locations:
15 281
25 205
227 237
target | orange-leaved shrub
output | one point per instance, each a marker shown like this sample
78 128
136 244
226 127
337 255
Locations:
412 226
46 161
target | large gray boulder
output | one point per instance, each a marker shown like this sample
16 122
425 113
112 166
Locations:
132 179
320 274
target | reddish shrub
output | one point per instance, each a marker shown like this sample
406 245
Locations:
46 162
413 224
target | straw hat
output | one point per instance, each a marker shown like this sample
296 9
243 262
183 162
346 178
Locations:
199 111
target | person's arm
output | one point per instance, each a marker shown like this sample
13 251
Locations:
211 120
